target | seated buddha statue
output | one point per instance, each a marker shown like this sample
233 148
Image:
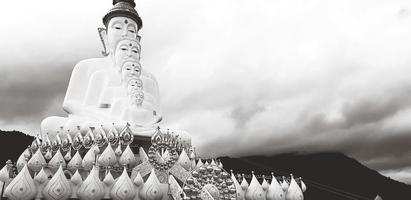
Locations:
115 87
134 105
121 22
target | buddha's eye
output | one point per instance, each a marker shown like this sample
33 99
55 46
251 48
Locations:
118 27
128 69
123 49
135 51
131 29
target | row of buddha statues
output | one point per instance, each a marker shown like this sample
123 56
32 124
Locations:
114 88
168 170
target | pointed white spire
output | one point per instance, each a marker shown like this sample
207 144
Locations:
22 160
184 160
138 181
294 192
41 180
4 174
76 182
240 193
108 179
303 186
48 154
36 161
58 187
67 157
123 189
56 161
151 189
174 188
92 188
108 157
127 158
88 160
75 162
108 184
76 179
255 190
275 191
244 184
22 186
118 150
265 184
284 185
142 154
41 177
199 163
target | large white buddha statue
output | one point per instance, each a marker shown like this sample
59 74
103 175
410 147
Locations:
87 103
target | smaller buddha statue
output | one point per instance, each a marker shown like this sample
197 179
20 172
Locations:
132 107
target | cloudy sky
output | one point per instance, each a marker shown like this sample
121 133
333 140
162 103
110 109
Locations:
243 77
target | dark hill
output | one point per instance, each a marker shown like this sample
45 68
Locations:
328 176
12 144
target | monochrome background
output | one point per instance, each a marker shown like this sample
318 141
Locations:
243 77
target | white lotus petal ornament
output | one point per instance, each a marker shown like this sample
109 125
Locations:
294 192
184 160
36 161
58 188
123 189
255 190
75 162
275 191
108 157
92 188
151 189
127 158
22 187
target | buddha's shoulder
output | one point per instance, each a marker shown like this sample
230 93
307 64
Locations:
148 75
91 64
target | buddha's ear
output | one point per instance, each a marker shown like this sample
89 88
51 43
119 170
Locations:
139 38
103 37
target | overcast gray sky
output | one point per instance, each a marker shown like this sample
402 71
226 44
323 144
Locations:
243 77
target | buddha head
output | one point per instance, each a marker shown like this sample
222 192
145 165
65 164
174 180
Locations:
135 92
130 70
126 50
122 21
135 84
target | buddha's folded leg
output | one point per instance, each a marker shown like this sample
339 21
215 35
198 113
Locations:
51 125
80 121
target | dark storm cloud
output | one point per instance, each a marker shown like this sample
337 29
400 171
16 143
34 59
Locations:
27 92
243 113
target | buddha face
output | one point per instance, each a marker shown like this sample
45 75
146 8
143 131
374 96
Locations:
130 70
134 85
137 98
119 28
134 91
126 50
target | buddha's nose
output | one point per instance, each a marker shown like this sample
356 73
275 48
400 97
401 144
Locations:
125 31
